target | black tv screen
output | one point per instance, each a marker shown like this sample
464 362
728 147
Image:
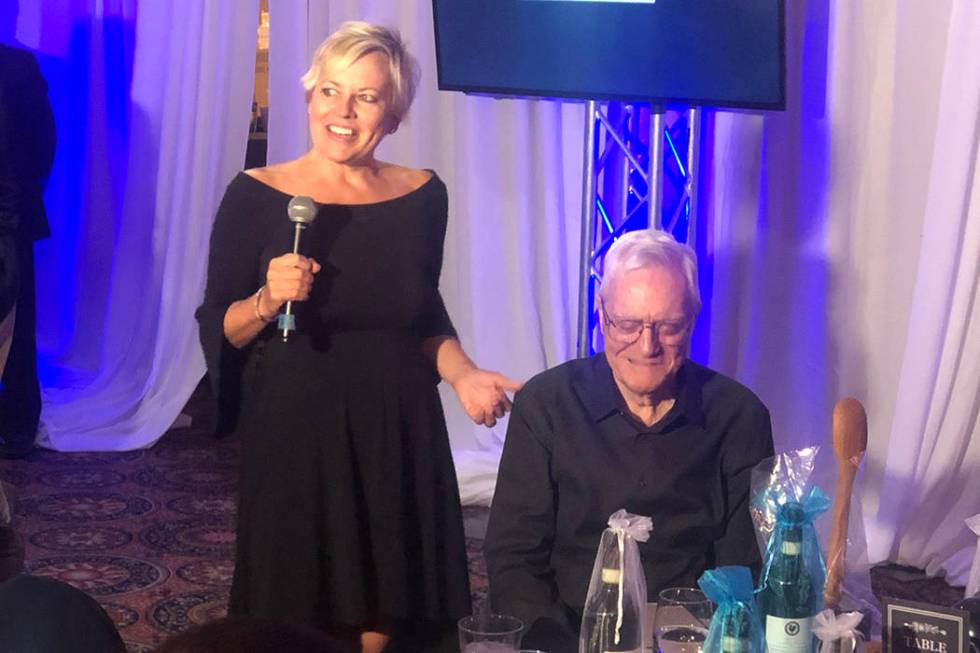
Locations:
720 53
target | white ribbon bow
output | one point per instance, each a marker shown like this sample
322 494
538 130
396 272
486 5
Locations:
828 626
636 526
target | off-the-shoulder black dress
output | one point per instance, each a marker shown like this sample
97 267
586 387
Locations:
349 507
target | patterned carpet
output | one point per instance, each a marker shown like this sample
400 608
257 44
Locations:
150 534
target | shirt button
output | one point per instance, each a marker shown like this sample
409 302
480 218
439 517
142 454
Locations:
643 482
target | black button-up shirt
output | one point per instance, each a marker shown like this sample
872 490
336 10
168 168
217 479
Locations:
574 455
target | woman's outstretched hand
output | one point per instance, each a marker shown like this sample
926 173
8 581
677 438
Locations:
483 394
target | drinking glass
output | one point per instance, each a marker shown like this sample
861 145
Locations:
489 633
681 622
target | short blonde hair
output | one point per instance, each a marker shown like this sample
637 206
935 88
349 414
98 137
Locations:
649 248
355 39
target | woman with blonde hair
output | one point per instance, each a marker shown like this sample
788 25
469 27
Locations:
349 514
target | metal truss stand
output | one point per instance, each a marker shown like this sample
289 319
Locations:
634 178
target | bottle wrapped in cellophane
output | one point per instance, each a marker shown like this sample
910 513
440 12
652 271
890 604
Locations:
735 626
612 620
793 574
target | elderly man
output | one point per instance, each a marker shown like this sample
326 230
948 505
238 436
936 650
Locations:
639 427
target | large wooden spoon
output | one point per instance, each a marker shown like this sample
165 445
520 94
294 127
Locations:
850 436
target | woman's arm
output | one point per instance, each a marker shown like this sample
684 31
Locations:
246 318
482 393
289 278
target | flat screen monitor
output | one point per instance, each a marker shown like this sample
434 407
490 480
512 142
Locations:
718 53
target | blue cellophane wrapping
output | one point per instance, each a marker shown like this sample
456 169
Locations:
730 589
814 504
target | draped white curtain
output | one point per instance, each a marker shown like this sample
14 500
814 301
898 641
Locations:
932 445
152 100
844 251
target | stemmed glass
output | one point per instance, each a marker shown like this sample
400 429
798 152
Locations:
681 622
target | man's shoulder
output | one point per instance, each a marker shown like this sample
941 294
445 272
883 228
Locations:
18 65
560 379
733 413
722 391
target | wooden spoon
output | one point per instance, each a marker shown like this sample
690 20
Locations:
850 436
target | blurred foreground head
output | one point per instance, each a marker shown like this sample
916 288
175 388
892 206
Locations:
250 635
44 614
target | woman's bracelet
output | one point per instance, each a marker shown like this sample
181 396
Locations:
258 313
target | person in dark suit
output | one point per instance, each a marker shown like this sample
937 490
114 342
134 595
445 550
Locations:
27 151
8 247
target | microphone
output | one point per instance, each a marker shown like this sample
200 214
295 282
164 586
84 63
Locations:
301 212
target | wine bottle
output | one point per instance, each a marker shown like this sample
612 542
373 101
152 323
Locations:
736 632
601 616
788 599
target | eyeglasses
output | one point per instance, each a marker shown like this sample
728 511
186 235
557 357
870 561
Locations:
629 331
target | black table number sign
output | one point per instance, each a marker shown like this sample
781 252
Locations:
910 627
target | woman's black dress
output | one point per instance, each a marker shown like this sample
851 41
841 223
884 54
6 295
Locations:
349 508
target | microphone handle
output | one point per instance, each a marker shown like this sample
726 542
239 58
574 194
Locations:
287 322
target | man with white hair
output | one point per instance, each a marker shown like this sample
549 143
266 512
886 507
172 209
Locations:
638 426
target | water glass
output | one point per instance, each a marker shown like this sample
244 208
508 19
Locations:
489 633
681 622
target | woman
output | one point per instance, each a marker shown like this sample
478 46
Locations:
349 513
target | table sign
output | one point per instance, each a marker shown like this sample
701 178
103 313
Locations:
911 627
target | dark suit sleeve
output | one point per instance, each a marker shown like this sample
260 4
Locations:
749 442
42 135
9 216
31 139
521 531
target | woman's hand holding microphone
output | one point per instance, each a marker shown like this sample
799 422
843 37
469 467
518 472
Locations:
288 278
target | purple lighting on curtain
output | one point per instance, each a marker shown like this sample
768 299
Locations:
86 55
703 245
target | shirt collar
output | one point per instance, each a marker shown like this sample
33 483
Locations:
598 389
689 399
601 396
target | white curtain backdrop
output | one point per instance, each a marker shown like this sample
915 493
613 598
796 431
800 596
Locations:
844 251
141 191
934 448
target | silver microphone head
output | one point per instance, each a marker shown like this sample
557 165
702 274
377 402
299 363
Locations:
301 209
